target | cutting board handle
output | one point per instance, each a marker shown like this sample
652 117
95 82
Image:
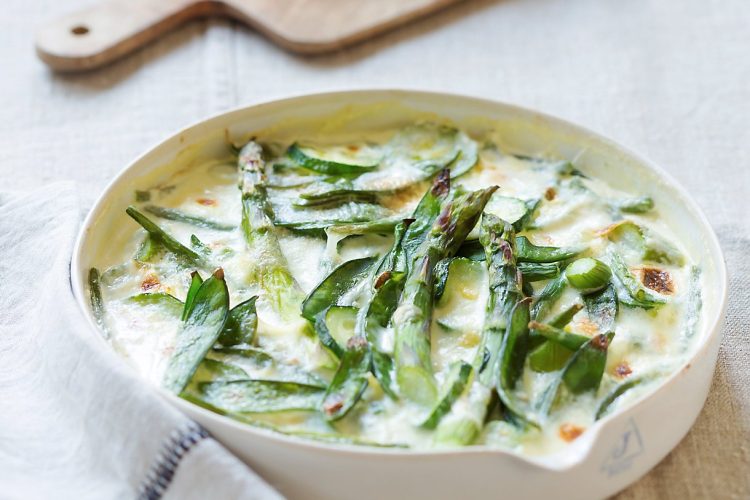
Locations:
95 36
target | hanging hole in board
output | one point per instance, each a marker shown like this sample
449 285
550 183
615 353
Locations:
79 30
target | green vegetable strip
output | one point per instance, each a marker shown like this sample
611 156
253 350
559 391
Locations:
546 355
615 393
512 357
350 380
169 302
413 316
266 362
147 250
533 271
548 296
95 298
528 252
213 370
247 418
195 284
199 331
568 340
329 293
585 371
241 324
630 291
424 216
163 238
636 205
260 396
582 372
455 384
303 157
179 216
272 272
401 167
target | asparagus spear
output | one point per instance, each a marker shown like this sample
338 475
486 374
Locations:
202 326
413 315
272 272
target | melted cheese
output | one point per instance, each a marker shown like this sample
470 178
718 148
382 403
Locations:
645 341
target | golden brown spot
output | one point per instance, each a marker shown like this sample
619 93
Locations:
352 147
207 202
623 369
569 432
151 282
600 342
333 406
382 279
550 194
657 280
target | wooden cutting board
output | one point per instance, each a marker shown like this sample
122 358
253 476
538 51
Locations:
100 34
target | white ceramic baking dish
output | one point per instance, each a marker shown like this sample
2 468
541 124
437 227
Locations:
612 454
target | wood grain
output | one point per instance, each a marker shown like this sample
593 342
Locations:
98 35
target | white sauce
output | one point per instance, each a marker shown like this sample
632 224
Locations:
647 341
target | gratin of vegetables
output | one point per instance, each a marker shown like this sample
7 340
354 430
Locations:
417 289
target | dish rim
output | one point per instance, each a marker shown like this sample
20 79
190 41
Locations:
561 460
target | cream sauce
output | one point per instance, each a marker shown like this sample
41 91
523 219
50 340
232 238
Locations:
645 341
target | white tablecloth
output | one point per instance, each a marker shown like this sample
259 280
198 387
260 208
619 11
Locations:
668 78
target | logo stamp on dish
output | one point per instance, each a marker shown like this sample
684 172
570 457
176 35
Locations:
626 449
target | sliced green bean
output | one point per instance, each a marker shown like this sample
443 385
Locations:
180 216
615 393
349 381
241 324
260 396
199 331
528 252
456 381
163 237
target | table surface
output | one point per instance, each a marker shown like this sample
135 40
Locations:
668 78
